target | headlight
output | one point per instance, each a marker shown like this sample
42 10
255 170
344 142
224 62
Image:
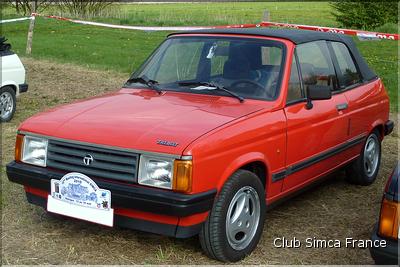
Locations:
164 172
156 171
34 151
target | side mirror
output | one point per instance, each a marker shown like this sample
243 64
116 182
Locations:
317 92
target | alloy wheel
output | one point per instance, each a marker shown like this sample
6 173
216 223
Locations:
243 218
371 155
6 105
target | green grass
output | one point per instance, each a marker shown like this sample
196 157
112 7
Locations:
125 50
220 13
109 49
382 57
209 13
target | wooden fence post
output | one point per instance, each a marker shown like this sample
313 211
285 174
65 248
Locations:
266 16
30 31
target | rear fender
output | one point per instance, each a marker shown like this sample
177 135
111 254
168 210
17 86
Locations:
378 124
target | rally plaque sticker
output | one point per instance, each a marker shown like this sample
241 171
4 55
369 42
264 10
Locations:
78 196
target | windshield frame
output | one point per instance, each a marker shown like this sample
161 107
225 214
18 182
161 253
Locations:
276 43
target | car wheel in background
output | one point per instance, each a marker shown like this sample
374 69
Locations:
235 223
364 170
7 103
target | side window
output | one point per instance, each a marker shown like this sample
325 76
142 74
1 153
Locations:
316 64
294 87
349 74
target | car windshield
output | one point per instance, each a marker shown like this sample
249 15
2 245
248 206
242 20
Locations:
246 67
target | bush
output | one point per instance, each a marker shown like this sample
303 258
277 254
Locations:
388 27
365 15
84 8
24 7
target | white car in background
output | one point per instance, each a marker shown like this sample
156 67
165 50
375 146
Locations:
12 80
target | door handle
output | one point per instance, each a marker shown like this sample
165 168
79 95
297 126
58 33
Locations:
342 106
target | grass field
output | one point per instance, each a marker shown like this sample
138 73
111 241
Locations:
108 49
208 13
125 50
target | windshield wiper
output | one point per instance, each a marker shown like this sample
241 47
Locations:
211 86
152 84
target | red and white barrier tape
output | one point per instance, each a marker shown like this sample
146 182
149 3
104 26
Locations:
14 20
146 28
360 34
114 26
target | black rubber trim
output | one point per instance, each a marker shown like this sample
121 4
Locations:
188 231
389 125
23 87
36 200
315 159
385 255
122 195
279 175
137 224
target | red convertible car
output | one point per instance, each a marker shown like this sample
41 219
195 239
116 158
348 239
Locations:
213 128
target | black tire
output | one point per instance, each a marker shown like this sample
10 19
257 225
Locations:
7 90
213 235
356 172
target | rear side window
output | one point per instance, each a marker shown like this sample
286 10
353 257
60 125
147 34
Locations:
316 64
348 72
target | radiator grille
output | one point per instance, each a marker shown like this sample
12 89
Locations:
107 163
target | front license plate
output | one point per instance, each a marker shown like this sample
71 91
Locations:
78 196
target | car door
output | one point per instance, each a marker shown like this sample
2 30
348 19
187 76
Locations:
363 96
314 134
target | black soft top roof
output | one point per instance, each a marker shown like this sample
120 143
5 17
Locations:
297 37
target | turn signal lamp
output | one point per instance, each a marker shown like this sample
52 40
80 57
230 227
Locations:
18 147
389 219
182 175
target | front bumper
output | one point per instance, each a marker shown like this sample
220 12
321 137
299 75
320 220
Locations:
384 255
126 196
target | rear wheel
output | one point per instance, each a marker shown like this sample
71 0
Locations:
365 169
7 103
235 223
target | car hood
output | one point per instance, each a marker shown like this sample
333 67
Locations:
137 119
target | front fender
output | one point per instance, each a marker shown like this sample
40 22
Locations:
260 137
240 162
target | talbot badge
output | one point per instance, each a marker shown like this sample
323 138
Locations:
167 143
88 159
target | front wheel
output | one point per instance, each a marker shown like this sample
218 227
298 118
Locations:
235 223
365 169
